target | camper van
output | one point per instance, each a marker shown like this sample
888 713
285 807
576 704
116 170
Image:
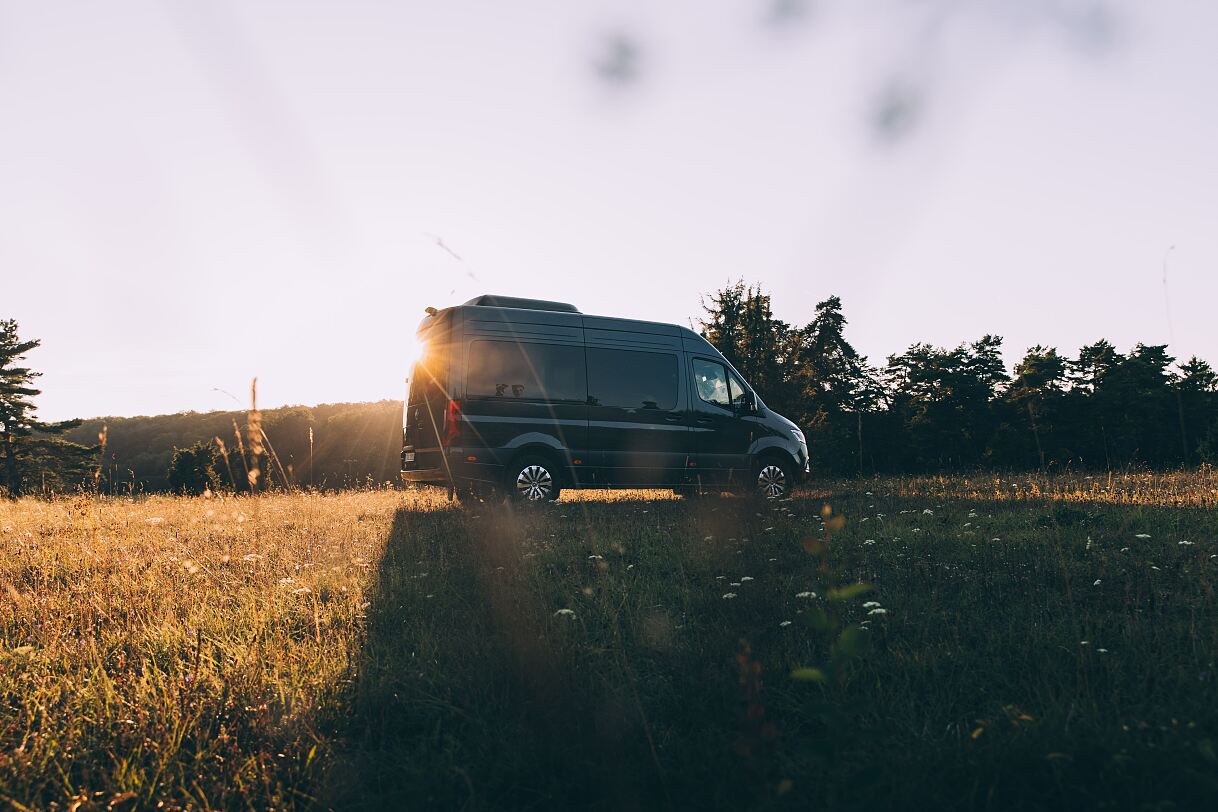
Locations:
526 397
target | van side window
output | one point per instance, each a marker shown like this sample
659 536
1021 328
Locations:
739 390
710 379
526 371
632 379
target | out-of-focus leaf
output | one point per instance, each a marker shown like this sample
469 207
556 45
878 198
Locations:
835 524
850 643
809 675
818 619
813 546
849 592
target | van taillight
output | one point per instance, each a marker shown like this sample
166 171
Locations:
452 428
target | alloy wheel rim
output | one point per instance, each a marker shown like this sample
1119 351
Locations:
534 483
772 482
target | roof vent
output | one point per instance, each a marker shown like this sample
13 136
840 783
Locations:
489 300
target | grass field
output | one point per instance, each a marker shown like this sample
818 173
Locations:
985 643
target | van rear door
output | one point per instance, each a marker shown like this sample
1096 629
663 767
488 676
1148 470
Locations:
427 401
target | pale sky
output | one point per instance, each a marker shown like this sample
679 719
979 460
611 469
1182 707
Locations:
192 194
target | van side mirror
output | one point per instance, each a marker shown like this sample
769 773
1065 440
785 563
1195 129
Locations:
750 403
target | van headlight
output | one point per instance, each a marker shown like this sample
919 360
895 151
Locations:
799 436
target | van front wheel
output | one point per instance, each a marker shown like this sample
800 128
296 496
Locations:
774 479
533 478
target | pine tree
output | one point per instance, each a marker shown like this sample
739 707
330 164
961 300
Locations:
26 443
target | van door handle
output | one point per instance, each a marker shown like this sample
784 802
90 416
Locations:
673 418
706 420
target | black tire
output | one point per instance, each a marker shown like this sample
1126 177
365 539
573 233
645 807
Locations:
533 479
773 478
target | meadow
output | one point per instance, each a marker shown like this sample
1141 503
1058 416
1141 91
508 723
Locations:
988 642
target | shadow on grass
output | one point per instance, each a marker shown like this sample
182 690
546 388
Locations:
472 692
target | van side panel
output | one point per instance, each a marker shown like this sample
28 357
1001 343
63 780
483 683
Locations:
638 425
524 387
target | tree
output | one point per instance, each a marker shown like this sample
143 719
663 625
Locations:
196 469
28 445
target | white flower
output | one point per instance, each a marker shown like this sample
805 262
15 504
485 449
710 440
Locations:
1142 536
251 557
1153 567
746 577
868 493
154 520
768 529
1084 642
1124 549
995 539
565 613
301 591
708 538
928 512
864 519
806 595
871 604
286 581
727 596
1102 650
972 514
734 583
1186 544
595 557
784 624
878 611
773 559
1097 582
869 541
968 524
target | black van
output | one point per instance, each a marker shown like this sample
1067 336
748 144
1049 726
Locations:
530 397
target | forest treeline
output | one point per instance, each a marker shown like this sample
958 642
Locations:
927 409
931 409
350 444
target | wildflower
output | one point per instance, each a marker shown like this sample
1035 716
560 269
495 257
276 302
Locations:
784 624
1097 582
1142 536
734 583
301 591
286 581
1088 542
1153 567
746 577
1084 642
806 595
928 512
871 604
878 611
773 559
727 596
251 557
868 493
972 514
630 566
768 529
565 613
995 539
869 541
595 557
1124 549
708 538
968 524
1186 544
720 577
1102 650
153 520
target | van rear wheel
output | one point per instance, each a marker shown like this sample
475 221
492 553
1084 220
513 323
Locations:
533 478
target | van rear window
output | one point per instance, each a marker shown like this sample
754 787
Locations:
632 379
526 371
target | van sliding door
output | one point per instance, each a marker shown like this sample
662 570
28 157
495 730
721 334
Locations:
637 425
